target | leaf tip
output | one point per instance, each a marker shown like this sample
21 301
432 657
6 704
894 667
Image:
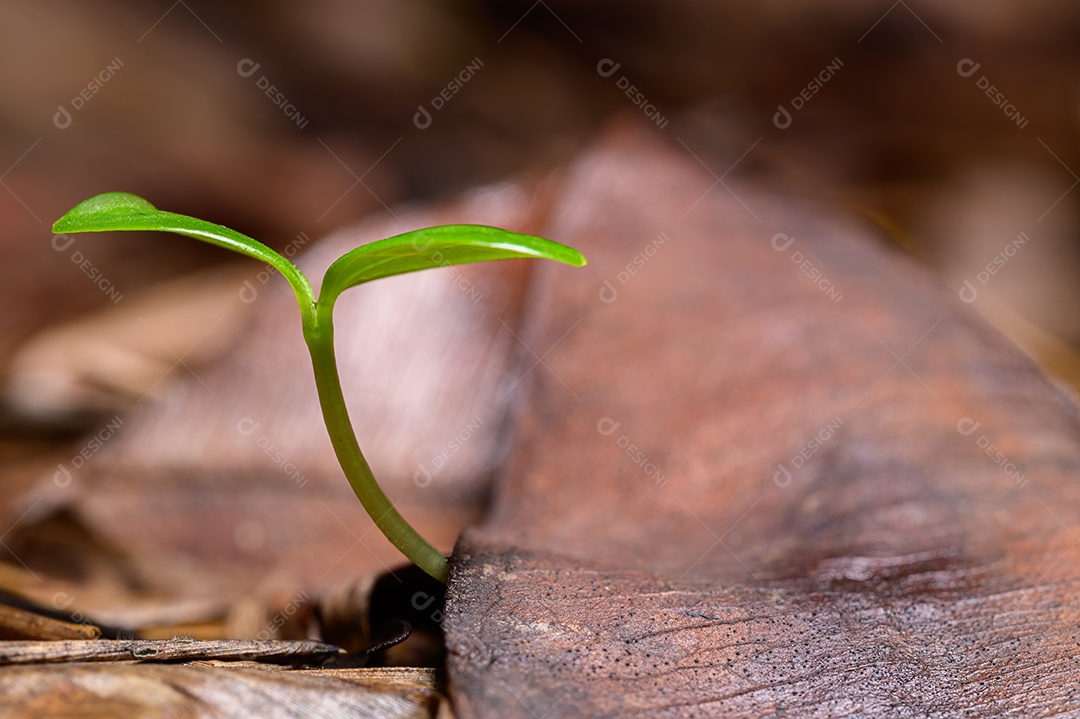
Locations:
85 215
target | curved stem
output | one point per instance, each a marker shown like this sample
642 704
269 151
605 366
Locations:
319 336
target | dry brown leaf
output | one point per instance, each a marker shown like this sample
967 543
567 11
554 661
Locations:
214 690
767 469
17 623
167 650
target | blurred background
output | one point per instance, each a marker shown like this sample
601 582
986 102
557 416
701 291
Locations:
951 125
951 128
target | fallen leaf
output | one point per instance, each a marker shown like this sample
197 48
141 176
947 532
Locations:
216 690
767 468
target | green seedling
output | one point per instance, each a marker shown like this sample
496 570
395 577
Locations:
441 246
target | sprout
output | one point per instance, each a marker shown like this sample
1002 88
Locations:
419 250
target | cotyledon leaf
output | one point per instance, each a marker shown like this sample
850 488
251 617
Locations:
124 211
441 246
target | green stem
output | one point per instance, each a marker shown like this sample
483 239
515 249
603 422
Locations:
320 340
